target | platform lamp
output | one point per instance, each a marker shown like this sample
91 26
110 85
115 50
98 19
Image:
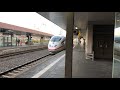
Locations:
76 31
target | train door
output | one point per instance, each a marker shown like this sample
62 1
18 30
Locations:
64 42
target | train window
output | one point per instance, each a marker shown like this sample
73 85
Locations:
56 39
63 42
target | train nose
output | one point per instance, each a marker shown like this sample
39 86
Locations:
52 45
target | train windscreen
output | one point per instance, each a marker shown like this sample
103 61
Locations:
55 39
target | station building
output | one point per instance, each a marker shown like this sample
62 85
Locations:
10 34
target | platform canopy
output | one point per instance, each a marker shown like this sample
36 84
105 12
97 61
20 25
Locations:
81 19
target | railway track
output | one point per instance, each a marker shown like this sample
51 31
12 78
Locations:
12 73
21 52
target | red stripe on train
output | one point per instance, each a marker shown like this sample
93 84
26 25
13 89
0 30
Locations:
55 48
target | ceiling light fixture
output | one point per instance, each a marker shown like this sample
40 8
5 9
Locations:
76 27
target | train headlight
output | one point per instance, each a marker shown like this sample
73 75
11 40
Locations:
55 45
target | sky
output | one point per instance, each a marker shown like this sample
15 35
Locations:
31 20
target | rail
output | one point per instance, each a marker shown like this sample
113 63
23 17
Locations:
12 73
21 52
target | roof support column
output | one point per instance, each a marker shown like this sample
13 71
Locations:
69 45
89 40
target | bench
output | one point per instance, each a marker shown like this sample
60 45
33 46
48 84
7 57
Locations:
90 56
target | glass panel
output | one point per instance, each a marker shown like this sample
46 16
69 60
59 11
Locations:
1 41
56 39
116 56
13 41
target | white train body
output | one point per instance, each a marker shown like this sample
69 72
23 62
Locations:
56 44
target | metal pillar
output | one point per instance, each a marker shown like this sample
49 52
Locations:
69 45
7 42
11 39
16 41
3 41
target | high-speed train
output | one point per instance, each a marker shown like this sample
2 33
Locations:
56 44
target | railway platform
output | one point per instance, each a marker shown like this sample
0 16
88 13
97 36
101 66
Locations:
83 68
7 50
